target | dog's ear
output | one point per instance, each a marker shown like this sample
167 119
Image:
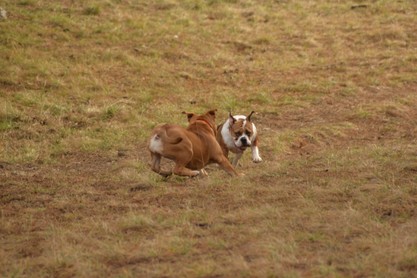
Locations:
232 118
250 115
212 113
189 115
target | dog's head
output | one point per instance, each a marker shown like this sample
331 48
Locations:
241 130
208 118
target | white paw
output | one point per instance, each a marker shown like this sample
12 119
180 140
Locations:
257 159
203 173
195 173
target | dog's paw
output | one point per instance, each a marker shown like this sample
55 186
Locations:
203 173
257 159
195 173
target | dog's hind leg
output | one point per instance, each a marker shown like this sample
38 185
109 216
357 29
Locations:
203 172
156 165
181 170
182 161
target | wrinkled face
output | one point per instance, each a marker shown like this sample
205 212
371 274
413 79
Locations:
242 131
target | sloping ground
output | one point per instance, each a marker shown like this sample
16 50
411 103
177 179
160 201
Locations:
334 86
340 203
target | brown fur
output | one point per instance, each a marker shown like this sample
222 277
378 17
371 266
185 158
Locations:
191 148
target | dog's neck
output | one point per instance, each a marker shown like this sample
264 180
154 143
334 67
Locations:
205 123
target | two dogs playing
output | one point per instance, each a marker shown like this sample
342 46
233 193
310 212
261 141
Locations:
203 143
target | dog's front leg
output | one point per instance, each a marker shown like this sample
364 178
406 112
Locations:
255 154
236 158
225 164
255 151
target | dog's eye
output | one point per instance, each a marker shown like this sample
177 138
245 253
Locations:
248 133
238 134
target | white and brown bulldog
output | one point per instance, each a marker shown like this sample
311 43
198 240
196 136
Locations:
236 135
190 148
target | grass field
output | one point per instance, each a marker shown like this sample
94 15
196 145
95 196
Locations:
334 85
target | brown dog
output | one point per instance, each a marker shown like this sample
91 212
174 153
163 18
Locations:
191 148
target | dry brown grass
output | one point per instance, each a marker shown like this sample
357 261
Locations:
334 84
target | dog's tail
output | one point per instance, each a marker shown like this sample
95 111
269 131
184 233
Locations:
159 138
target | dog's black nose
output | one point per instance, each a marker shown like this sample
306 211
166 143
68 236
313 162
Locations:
244 141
